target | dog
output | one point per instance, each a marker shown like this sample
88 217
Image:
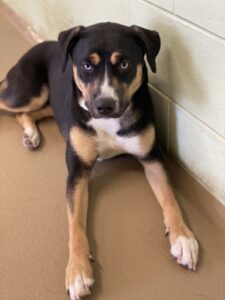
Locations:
94 81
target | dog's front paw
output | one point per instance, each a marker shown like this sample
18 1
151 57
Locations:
31 138
185 251
79 278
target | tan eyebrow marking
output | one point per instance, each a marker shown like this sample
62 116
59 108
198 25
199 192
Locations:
94 58
115 57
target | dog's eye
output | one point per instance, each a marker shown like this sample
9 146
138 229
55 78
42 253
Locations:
87 67
124 65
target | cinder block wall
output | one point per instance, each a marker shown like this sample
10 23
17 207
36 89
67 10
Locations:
189 87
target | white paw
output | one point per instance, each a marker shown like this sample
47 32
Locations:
80 287
185 250
31 138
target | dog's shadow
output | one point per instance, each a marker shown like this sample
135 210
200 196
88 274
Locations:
179 78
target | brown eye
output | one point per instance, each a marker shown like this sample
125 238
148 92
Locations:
124 65
87 67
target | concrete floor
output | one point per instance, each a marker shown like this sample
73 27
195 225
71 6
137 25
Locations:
124 224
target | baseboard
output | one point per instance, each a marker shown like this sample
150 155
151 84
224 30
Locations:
22 26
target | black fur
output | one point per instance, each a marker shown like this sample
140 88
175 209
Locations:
76 169
143 109
51 63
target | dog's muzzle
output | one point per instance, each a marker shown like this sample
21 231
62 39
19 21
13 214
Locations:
105 107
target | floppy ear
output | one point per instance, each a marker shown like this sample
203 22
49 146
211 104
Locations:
67 40
150 41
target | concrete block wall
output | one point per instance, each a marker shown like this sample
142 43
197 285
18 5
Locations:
189 87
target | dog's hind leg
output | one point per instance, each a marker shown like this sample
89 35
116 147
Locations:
27 108
31 136
32 103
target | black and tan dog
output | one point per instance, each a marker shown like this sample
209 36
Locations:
95 81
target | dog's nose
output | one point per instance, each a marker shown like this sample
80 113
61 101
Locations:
105 106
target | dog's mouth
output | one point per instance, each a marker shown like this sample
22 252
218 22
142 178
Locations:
97 116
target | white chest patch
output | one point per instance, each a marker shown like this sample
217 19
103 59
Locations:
109 144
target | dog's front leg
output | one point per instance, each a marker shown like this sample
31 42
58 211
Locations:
79 275
184 246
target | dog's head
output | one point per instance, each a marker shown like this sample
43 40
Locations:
108 64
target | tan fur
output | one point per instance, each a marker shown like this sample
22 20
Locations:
131 88
128 89
25 121
81 86
3 85
78 242
94 59
42 113
173 219
84 144
79 203
86 90
29 119
115 57
34 104
147 138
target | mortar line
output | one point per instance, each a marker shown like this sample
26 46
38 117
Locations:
185 22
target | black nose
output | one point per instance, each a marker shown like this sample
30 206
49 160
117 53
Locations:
105 106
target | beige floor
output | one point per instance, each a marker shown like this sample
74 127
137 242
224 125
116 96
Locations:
125 222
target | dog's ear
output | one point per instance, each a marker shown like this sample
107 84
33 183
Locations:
66 40
150 41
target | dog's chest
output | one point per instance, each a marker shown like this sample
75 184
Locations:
110 144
